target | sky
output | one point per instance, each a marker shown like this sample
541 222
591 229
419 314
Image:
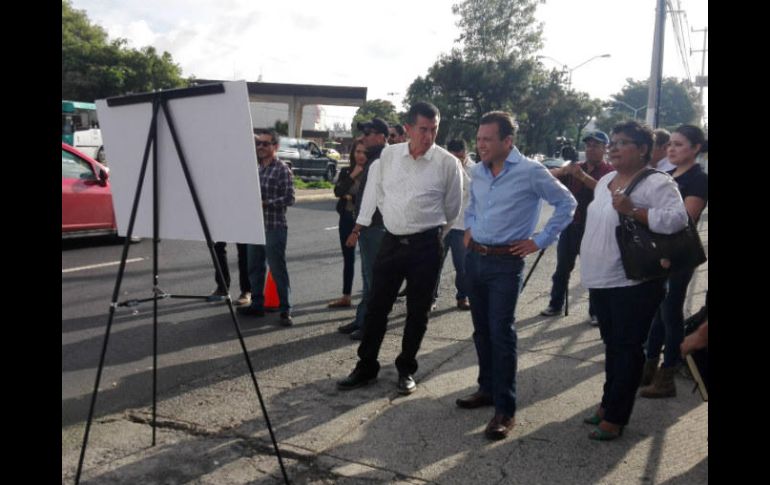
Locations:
385 46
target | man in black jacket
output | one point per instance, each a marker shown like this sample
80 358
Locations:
375 133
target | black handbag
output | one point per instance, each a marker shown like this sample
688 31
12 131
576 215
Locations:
648 255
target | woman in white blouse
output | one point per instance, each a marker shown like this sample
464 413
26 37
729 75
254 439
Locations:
624 307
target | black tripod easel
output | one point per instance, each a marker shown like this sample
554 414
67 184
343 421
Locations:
537 260
159 101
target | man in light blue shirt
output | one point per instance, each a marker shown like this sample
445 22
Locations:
507 191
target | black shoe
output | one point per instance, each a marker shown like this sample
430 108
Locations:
217 295
349 328
406 385
476 400
250 311
357 334
286 320
356 379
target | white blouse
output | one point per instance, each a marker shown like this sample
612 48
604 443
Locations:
600 263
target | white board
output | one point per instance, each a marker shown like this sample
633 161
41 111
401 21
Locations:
217 141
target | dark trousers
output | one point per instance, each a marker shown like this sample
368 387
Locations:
220 249
273 252
567 251
347 222
454 241
493 284
417 259
668 324
624 314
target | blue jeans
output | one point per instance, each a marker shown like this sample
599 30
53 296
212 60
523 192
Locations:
624 315
274 252
668 325
567 251
493 284
454 240
369 243
348 254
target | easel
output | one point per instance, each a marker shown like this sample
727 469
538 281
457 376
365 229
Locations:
159 101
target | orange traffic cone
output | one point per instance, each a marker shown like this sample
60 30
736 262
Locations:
271 292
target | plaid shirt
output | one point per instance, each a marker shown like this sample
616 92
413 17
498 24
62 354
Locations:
277 186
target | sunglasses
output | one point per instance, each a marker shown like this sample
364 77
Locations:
263 143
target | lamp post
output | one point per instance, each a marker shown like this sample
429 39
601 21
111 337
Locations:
568 70
635 110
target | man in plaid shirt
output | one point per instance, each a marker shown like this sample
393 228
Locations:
277 189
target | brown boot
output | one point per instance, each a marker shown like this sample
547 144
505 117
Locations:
662 384
650 369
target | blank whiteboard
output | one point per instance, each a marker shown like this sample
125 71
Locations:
217 141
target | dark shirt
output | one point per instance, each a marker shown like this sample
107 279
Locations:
583 194
372 154
693 183
277 187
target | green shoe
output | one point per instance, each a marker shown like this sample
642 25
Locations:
600 435
593 420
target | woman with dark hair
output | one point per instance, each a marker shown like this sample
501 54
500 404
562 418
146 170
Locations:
346 189
624 307
667 330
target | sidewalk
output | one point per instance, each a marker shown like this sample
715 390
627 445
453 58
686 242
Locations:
213 432
312 195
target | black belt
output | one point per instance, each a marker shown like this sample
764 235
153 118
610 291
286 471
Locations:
418 237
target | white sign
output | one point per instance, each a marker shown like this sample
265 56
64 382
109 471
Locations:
216 138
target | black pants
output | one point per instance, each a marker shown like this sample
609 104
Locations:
416 258
625 314
220 249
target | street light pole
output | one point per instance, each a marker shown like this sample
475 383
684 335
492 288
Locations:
635 110
569 83
568 70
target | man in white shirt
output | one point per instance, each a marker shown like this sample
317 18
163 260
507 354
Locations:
418 188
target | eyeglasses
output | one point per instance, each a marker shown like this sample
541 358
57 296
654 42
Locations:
620 143
263 143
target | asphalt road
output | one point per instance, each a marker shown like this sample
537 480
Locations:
195 337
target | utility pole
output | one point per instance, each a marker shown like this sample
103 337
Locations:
656 71
702 81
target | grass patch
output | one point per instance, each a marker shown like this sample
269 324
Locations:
316 184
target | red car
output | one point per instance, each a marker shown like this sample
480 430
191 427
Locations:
86 199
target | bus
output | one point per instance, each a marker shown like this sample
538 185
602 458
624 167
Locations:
80 128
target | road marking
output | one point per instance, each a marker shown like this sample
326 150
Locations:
102 265
331 228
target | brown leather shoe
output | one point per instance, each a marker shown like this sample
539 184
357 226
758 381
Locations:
476 400
499 427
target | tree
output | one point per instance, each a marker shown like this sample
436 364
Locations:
678 104
94 67
495 29
376 108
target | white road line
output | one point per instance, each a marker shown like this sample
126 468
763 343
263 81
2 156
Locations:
102 265
331 228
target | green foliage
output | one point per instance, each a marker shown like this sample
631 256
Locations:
376 108
94 67
464 90
678 104
495 29
281 127
316 184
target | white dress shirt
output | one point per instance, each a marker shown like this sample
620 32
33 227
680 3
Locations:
413 195
466 173
600 263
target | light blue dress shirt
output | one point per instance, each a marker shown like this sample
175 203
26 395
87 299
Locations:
506 208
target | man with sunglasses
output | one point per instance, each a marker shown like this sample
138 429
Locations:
396 134
277 187
369 238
